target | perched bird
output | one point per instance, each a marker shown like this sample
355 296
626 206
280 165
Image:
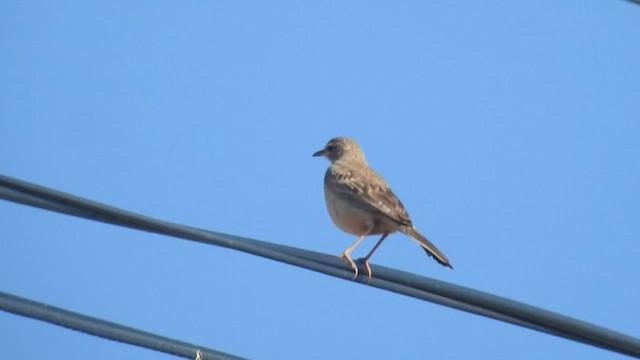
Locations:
361 203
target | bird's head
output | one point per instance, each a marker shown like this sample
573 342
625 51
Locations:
341 148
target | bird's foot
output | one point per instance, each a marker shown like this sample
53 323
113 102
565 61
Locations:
365 261
354 267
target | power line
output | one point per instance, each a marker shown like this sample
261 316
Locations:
105 329
420 287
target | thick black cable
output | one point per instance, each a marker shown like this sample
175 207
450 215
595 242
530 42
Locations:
385 278
106 329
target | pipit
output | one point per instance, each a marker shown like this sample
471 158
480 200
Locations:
361 203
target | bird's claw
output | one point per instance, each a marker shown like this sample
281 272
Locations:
353 265
365 261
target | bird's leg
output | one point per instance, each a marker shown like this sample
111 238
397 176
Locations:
365 259
345 255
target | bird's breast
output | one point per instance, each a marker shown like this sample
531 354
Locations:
348 217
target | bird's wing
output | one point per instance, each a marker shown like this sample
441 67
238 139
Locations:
369 189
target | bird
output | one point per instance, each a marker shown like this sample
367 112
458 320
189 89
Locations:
361 203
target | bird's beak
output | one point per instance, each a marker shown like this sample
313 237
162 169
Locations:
319 153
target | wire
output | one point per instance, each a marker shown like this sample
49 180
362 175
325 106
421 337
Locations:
106 329
420 287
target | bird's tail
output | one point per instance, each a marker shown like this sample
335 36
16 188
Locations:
431 249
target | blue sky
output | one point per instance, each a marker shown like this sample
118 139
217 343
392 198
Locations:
510 131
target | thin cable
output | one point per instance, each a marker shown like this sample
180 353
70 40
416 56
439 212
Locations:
420 287
105 329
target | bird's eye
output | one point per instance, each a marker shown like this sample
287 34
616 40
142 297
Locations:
330 148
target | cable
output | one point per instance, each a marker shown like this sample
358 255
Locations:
105 329
420 287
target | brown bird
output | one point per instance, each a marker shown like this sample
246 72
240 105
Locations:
361 203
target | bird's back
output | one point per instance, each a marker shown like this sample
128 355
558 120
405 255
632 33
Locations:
368 190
